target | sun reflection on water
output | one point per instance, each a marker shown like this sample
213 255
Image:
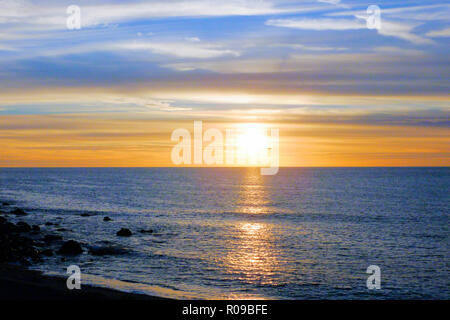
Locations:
251 254
253 195
251 259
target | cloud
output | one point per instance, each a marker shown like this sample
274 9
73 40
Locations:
439 33
388 28
308 48
28 16
317 24
330 1
402 31
431 12
151 104
383 60
179 49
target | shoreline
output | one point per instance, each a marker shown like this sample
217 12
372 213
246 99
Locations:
18 283
22 245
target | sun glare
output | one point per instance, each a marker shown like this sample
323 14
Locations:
252 143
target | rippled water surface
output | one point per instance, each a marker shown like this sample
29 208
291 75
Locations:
232 233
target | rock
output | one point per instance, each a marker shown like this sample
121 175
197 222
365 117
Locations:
47 252
25 262
85 215
7 228
35 227
18 212
49 224
40 244
52 237
124 232
23 227
146 231
71 247
107 219
6 204
16 248
61 229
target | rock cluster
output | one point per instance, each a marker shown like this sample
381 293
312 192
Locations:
26 243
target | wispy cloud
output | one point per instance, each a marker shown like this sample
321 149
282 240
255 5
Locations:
45 16
307 47
330 1
317 24
388 28
179 49
430 12
439 33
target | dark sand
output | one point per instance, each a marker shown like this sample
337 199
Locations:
18 283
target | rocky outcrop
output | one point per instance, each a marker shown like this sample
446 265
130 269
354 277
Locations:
124 232
85 215
23 227
18 212
71 247
52 237
15 247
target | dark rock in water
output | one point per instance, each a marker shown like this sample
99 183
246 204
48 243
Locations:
25 262
105 251
61 229
124 232
23 227
18 212
52 237
14 247
47 252
49 224
107 219
5 204
7 228
35 227
71 247
40 244
146 231
85 215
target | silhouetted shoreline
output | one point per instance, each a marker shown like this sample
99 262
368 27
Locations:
19 283
22 245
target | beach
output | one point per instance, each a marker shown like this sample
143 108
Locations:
18 283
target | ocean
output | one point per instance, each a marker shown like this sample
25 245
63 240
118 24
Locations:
230 233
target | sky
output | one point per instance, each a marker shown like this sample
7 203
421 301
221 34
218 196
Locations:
111 92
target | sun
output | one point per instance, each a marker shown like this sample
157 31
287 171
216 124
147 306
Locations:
252 143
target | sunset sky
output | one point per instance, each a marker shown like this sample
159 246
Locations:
111 93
